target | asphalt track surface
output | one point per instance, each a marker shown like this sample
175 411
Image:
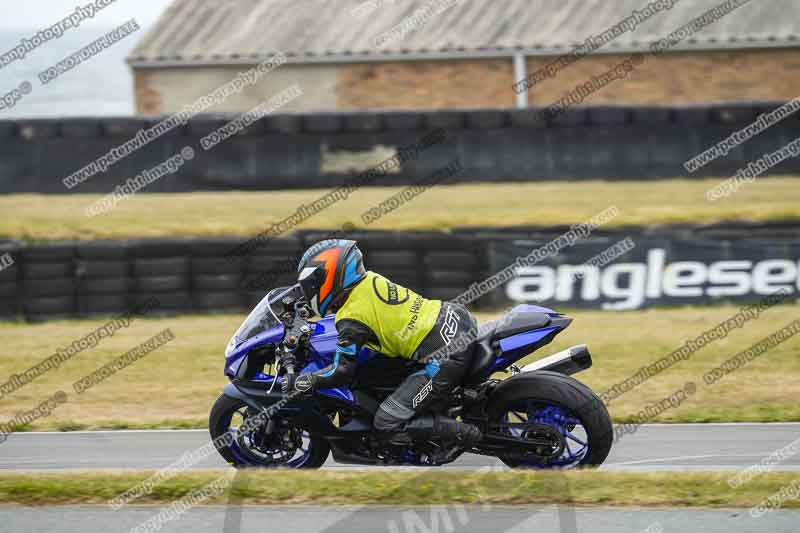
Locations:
651 447
395 520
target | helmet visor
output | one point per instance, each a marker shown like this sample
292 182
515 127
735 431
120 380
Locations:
311 280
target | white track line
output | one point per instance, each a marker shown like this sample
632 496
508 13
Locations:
684 457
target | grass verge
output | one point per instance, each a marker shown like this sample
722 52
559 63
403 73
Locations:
44 217
407 488
175 386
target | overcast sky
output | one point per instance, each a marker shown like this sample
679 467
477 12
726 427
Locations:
102 86
39 14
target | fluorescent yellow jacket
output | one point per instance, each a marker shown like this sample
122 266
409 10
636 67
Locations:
399 317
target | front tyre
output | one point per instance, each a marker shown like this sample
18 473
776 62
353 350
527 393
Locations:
288 446
561 402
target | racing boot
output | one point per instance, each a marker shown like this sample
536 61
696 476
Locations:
429 426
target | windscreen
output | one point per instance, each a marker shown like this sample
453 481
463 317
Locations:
261 318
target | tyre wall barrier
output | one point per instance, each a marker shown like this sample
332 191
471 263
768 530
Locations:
81 279
290 151
666 265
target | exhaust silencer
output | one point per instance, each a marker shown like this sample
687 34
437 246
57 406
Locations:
569 361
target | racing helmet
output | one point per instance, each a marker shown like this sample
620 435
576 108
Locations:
327 270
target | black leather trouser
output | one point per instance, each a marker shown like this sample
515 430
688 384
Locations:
449 360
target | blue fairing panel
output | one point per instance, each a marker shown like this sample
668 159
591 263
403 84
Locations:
521 340
518 346
341 393
323 340
234 360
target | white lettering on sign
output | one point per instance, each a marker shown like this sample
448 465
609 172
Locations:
628 285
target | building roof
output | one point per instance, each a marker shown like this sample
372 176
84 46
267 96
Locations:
202 32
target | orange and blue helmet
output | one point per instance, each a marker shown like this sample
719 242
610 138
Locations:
327 270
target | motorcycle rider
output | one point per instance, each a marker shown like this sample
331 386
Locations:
374 312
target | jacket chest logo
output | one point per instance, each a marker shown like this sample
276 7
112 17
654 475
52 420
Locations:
389 293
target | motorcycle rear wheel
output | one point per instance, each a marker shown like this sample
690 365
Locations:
559 401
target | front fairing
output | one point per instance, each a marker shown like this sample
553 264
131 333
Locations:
234 357
261 327
262 318
321 353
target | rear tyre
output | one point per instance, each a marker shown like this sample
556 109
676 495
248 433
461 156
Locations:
253 450
562 402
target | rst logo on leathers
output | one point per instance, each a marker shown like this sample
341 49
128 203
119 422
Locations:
422 394
449 326
389 293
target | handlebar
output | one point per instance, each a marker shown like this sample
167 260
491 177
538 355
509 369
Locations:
296 337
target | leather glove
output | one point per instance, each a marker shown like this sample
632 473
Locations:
288 382
304 384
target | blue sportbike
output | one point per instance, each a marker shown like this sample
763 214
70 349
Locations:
537 417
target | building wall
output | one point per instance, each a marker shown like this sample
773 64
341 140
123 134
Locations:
679 78
427 84
168 90
674 78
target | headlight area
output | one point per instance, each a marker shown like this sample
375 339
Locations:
256 361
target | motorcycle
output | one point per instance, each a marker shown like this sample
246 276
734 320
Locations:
538 417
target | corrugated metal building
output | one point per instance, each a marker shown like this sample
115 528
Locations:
347 54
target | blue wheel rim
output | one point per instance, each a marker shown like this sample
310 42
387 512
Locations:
254 456
576 438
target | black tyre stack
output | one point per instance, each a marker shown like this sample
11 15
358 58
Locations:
10 296
272 265
160 270
400 266
103 278
451 264
216 280
97 278
48 281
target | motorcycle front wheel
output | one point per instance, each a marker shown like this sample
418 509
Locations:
288 446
